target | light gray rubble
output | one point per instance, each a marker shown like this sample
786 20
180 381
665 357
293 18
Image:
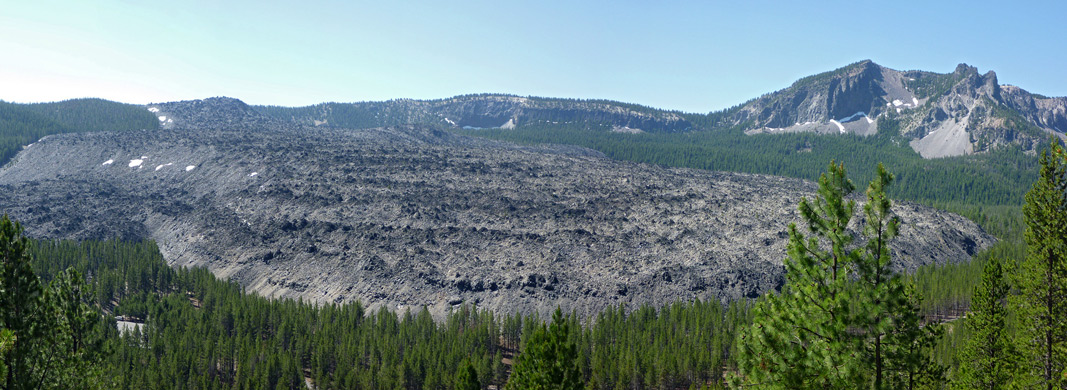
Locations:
409 216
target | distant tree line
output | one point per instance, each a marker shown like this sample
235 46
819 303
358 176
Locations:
999 177
23 124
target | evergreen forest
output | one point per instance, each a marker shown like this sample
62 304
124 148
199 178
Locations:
113 315
1000 177
24 124
843 320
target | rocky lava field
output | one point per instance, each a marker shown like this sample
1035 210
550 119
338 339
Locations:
414 216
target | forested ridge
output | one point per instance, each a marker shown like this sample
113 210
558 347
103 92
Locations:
1000 177
23 124
485 111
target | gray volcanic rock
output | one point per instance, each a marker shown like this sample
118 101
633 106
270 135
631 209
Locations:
412 215
485 111
825 102
951 114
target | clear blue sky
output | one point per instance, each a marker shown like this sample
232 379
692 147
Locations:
693 56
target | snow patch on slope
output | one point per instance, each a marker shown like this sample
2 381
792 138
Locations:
852 117
840 127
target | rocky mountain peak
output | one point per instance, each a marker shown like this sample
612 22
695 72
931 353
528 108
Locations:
965 70
949 114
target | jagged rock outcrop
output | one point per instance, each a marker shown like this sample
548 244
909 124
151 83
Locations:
1045 112
943 115
412 215
845 100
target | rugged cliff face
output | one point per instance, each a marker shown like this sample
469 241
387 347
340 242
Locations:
845 100
950 114
1045 112
411 215
941 115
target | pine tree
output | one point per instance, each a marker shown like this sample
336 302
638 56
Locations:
988 360
57 339
800 337
467 377
549 360
844 319
1042 276
896 346
880 290
22 310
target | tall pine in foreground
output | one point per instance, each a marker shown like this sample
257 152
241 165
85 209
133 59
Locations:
895 345
844 319
799 338
989 358
52 337
1042 276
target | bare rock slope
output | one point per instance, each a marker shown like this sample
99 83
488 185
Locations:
943 115
409 216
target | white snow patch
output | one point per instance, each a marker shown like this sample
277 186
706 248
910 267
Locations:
839 126
158 167
915 101
162 118
136 162
153 109
897 102
898 111
189 168
253 174
108 162
450 122
869 120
